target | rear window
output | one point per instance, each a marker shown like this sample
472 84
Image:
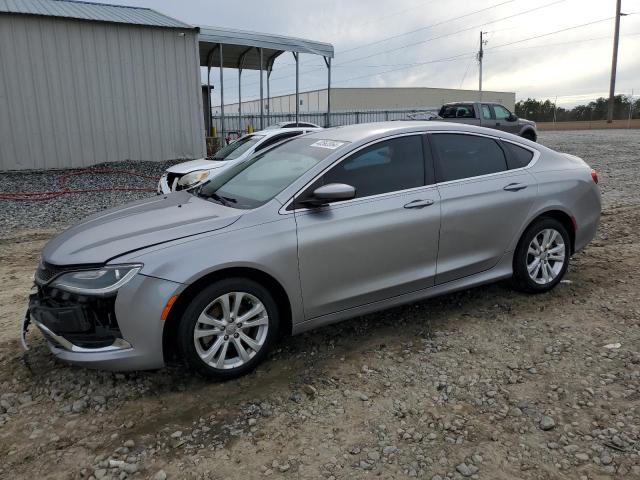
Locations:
518 157
457 111
237 148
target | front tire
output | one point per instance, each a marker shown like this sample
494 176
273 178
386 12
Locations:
529 135
228 328
542 256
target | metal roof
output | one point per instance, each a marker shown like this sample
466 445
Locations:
98 12
242 47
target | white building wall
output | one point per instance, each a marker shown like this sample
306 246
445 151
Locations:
348 99
76 93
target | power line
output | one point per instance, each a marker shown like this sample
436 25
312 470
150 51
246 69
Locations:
551 33
437 24
421 42
462 55
402 47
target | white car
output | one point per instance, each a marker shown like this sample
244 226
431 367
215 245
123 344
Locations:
292 125
192 173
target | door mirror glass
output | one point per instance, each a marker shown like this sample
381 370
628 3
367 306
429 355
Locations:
333 192
512 118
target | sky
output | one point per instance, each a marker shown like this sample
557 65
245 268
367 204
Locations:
432 43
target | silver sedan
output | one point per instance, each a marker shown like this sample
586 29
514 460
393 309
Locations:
324 227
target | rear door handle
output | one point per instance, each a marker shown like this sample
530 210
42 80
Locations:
419 204
514 187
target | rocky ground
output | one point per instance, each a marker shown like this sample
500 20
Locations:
484 384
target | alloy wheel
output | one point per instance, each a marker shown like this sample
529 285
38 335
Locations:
231 330
546 256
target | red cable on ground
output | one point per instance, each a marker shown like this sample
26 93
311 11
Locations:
64 190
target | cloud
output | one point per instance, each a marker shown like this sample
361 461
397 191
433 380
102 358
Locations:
575 62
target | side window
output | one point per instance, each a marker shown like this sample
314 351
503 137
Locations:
464 156
457 111
486 112
501 112
387 166
275 139
517 157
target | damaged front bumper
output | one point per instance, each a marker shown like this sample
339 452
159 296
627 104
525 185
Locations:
122 332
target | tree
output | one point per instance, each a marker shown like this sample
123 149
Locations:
542 111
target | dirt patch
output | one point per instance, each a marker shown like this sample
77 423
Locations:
486 383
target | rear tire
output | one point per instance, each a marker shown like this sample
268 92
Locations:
542 256
228 328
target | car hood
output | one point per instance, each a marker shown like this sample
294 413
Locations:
524 121
135 226
193 165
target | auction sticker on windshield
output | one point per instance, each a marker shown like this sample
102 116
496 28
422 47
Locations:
330 144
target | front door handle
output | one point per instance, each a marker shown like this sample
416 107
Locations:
419 204
514 187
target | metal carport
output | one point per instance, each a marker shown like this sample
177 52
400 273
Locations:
225 48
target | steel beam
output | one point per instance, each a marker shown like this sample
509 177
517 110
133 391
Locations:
221 95
327 61
261 92
296 55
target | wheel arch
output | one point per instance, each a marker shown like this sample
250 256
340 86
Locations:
561 216
169 334
529 131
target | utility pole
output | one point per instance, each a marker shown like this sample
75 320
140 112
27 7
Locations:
479 56
614 61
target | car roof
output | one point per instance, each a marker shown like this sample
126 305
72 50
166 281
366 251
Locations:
354 133
275 131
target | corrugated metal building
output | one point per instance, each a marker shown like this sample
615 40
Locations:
84 83
375 98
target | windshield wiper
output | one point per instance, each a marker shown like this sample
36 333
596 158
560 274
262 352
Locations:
226 201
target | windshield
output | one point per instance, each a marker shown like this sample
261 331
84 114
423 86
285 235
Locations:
237 148
254 182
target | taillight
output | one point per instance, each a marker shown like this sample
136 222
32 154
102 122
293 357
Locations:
594 176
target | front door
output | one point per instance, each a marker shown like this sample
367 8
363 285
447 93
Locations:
504 120
378 245
484 204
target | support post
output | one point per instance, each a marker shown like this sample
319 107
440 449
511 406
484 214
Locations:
261 93
209 119
221 95
268 93
240 102
296 55
209 112
614 63
630 110
327 61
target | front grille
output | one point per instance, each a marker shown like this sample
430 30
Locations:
47 272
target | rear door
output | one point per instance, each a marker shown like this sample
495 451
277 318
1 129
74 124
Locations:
484 203
381 244
502 120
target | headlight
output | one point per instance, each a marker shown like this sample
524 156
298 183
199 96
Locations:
102 281
193 178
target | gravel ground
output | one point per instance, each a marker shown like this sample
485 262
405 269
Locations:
68 209
483 384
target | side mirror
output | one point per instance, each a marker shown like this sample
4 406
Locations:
512 118
332 192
